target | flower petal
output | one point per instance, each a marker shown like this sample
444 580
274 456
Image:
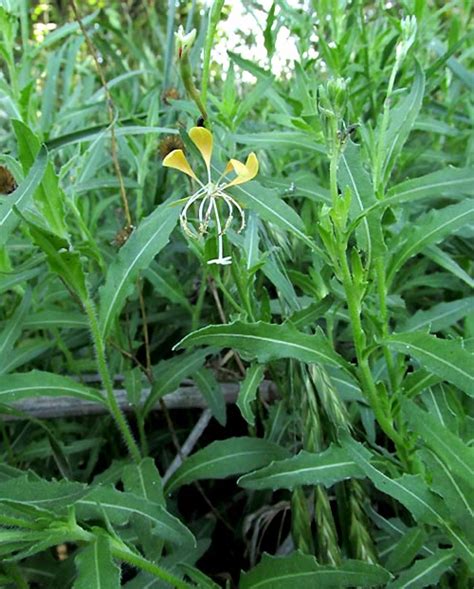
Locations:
245 172
202 139
176 159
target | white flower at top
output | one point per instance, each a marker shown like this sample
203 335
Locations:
209 193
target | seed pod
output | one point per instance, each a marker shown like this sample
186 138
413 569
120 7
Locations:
7 181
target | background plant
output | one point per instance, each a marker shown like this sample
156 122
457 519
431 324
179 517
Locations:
349 290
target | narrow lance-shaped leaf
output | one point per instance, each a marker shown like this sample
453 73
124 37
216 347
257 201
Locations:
95 566
12 329
440 316
451 183
248 391
22 196
444 358
402 119
303 571
412 492
226 458
119 507
425 572
14 387
168 374
49 195
144 244
211 391
326 468
266 342
452 450
429 230
351 174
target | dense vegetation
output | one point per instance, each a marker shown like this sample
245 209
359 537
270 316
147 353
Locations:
334 310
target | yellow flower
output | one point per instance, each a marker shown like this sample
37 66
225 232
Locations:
209 192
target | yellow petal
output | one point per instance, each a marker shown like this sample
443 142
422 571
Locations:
176 159
202 139
245 172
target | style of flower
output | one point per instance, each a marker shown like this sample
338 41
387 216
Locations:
210 193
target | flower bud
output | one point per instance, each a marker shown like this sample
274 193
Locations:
184 42
409 28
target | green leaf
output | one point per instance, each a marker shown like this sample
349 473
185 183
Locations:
270 207
402 119
12 330
14 387
439 316
451 183
429 230
211 391
458 457
62 259
22 196
168 374
444 358
119 507
265 342
52 319
456 493
248 391
425 572
280 139
325 468
49 195
303 571
406 549
95 566
144 480
143 245
351 174
412 492
225 458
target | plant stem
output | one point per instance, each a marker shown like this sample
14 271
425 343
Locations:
123 553
107 381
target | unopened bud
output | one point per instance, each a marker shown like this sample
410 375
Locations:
184 41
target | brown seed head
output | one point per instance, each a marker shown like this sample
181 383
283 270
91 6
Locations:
7 181
169 144
170 94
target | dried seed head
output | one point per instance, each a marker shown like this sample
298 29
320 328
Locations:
7 181
123 235
169 144
170 94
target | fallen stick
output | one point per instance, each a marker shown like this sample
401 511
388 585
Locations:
185 397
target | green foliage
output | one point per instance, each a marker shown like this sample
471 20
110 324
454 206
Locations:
342 327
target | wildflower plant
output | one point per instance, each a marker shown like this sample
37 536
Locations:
212 196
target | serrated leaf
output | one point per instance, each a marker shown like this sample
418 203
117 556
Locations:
425 572
412 492
445 358
306 468
455 454
429 230
248 391
120 507
211 391
225 458
450 182
303 571
265 342
143 245
14 387
95 566
439 316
